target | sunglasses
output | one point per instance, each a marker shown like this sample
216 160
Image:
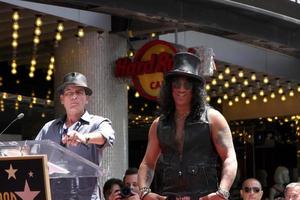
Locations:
254 189
177 84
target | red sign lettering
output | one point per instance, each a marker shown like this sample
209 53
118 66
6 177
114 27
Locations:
155 85
162 62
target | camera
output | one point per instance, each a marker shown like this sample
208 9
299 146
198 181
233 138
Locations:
125 192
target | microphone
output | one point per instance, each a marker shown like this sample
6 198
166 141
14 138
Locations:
20 116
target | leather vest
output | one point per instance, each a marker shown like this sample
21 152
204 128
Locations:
195 172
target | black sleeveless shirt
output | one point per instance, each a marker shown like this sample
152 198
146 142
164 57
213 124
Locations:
195 172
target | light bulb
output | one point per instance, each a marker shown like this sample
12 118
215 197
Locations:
214 82
32 68
236 99
247 101
14 44
37 31
15 15
227 70
52 59
15 35
60 26
15 26
36 40
38 21
208 98
49 72
220 76
80 32
31 74
225 96
33 61
253 76
233 79
226 84
291 93
261 92
19 97
58 36
14 71
243 94
14 64
272 95
207 87
51 66
266 80
241 73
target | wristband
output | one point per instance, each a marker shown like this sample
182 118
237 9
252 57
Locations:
223 193
144 191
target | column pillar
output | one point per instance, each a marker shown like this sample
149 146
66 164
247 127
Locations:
94 55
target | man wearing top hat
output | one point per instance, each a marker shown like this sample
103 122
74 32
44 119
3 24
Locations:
80 132
193 141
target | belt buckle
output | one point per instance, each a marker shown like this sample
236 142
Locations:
183 198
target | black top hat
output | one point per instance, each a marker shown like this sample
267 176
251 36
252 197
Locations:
186 64
75 78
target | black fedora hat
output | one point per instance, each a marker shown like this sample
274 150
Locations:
75 78
186 64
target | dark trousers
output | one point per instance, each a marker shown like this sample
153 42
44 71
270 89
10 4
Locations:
74 189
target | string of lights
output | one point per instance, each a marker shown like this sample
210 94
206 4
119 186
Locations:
14 43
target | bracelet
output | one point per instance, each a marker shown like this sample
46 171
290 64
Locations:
223 193
144 191
144 194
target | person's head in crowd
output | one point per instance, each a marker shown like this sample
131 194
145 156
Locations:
281 175
110 187
131 178
251 189
292 191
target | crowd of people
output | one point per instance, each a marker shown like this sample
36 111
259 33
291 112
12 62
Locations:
189 145
250 189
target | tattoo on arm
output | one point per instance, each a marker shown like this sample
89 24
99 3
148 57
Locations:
223 138
149 176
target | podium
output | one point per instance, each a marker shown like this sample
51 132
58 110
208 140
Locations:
59 161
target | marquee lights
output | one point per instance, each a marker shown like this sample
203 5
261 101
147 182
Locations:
14 43
50 70
248 85
36 40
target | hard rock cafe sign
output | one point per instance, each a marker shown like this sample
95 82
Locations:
147 68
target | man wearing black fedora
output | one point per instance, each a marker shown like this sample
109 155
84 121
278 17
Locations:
193 141
80 132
